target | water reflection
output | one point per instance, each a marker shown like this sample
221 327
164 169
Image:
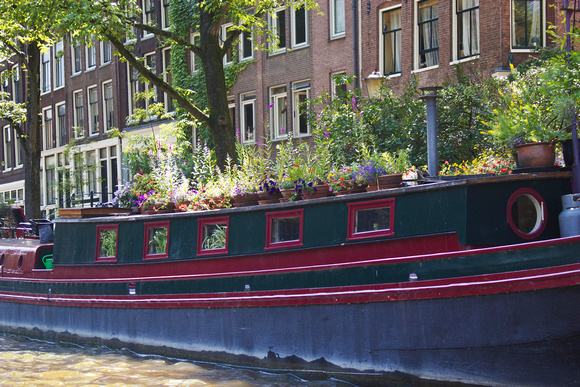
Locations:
26 362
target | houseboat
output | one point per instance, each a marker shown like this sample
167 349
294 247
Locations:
463 280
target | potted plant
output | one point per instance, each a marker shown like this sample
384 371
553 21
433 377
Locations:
528 122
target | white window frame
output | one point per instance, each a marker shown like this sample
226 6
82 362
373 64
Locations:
245 100
147 85
58 124
132 102
106 47
298 88
296 45
48 128
334 85
274 26
416 54
76 58
277 95
455 35
91 56
335 30
59 65
16 85
45 71
165 22
93 110
542 43
106 125
7 142
148 16
168 103
382 41
194 38
223 36
243 35
79 130
18 152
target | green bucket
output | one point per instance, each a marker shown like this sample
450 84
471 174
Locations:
47 260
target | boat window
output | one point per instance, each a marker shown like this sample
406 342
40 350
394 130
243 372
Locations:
284 229
371 219
212 236
2 260
526 213
107 238
156 240
20 261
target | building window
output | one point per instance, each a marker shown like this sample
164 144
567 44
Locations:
391 41
277 25
91 168
16 84
278 112
228 57
299 27
232 110
248 118
107 239
337 19
371 219
76 58
156 244
79 116
338 85
167 77
246 45
284 229
134 88
467 13
58 65
301 95
93 111
428 32
49 129
61 124
105 52
165 22
50 168
108 106
45 71
8 148
18 151
212 236
195 60
91 52
527 24
148 14
151 63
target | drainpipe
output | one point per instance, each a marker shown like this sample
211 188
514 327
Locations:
355 69
430 96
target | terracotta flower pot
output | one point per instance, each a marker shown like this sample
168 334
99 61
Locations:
321 191
247 199
386 182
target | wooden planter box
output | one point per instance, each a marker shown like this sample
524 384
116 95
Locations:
92 212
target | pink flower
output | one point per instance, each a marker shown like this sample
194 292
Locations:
354 104
326 134
271 105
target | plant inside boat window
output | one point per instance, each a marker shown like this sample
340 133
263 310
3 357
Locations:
371 219
156 238
212 236
526 213
284 229
107 237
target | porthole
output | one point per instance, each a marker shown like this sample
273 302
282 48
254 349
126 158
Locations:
526 213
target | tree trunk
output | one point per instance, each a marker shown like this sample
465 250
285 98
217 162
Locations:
220 124
33 137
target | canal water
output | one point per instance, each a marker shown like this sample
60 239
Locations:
28 362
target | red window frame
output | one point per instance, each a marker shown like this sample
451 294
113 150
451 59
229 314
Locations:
149 226
101 228
284 214
543 216
354 207
203 222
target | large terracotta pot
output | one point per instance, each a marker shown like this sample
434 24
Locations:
321 191
535 154
386 182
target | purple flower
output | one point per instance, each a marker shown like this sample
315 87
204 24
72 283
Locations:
237 132
326 134
282 129
353 103
271 105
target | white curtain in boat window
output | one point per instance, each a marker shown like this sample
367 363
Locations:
391 26
428 23
527 27
467 28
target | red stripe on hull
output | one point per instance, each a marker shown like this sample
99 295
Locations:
528 280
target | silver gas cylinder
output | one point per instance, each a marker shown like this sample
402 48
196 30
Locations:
569 218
